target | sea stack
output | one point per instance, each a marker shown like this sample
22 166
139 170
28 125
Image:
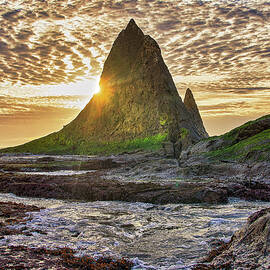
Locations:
137 100
193 110
138 97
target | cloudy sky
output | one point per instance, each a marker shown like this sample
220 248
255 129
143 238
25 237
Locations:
52 53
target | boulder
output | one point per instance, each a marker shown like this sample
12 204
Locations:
249 247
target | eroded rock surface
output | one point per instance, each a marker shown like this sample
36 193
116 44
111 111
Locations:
249 247
141 176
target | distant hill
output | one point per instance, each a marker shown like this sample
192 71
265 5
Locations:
138 106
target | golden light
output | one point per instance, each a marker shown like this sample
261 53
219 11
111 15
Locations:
76 93
96 87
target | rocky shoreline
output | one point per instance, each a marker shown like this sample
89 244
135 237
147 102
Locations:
142 176
138 177
248 248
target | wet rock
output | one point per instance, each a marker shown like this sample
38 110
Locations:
249 190
21 257
249 247
13 213
16 210
99 164
214 196
92 187
46 159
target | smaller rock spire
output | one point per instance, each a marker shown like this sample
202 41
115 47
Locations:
191 106
189 100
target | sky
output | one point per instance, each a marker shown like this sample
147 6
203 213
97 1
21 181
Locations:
52 53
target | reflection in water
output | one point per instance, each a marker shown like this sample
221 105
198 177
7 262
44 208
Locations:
161 236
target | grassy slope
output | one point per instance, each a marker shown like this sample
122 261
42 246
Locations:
255 147
57 144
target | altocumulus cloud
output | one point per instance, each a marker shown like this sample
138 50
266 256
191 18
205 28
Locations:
45 42
62 41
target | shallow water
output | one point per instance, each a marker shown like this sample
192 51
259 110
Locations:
160 237
58 173
31 157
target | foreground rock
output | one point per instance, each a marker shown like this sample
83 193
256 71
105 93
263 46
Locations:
249 181
91 187
21 257
12 213
249 247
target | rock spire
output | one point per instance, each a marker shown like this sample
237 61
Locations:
192 108
138 97
137 100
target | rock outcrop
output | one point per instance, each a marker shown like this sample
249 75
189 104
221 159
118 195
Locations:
249 247
192 108
137 99
247 143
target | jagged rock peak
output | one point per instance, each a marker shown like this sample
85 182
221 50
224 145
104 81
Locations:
138 97
132 30
189 100
124 50
137 100
131 26
191 106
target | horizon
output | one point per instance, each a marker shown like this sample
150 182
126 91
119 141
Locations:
51 61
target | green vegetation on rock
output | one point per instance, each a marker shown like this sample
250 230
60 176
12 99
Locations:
184 133
257 146
250 141
50 145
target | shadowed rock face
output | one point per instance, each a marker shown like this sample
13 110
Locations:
138 97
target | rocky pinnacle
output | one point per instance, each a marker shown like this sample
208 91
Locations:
137 101
138 97
192 108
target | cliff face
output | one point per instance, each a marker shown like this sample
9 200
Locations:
138 96
138 100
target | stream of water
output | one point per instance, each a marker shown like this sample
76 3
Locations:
169 236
